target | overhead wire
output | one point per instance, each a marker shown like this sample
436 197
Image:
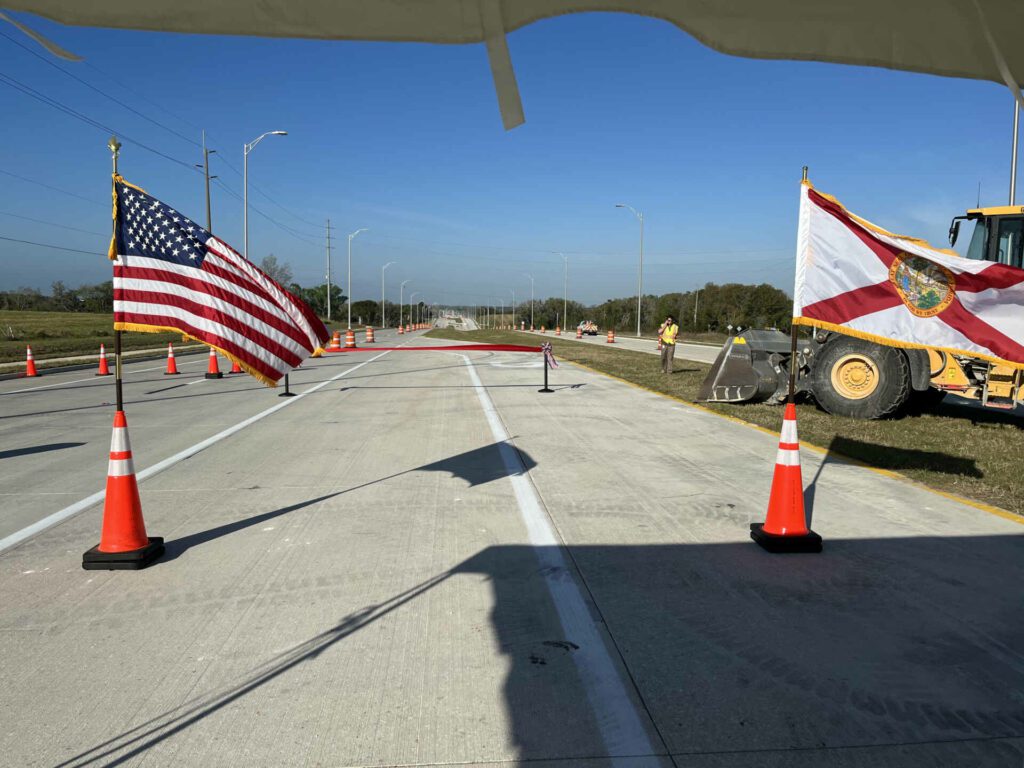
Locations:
55 189
53 224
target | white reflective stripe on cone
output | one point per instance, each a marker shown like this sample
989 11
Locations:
789 432
119 440
120 468
788 457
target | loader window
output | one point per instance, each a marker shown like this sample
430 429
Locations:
976 250
1010 241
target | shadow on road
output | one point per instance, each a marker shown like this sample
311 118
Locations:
878 652
11 453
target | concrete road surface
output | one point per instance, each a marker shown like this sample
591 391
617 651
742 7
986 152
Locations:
421 561
701 353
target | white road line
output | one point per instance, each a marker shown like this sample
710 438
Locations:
621 729
79 506
78 381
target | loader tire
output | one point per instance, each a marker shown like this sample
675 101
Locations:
857 378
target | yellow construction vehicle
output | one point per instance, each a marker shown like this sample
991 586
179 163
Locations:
853 377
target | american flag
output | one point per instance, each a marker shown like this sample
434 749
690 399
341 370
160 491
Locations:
170 274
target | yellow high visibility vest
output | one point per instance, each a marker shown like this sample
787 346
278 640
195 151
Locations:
668 336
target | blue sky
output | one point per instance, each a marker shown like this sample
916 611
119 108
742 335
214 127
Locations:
407 140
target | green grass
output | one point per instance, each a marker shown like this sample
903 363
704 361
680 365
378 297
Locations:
956 448
64 334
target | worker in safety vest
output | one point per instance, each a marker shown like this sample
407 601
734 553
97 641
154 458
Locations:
667 333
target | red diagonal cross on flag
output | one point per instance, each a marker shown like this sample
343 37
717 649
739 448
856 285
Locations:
856 278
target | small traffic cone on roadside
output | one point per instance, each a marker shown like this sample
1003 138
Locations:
369 335
235 367
30 364
558 330
579 333
542 329
350 339
104 370
213 369
172 366
611 336
124 544
659 343
408 328
335 342
401 329
785 526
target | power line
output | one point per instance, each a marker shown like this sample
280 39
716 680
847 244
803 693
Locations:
255 188
49 245
38 96
55 189
92 87
53 224
284 227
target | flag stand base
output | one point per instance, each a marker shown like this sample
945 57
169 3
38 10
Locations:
133 560
808 542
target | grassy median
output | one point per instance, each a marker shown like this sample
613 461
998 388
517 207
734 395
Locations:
961 449
66 334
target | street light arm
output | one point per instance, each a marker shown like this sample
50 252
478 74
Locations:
634 210
252 144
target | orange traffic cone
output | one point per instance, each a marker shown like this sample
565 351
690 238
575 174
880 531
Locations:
785 527
542 329
408 328
558 330
350 339
30 364
611 336
172 367
335 342
124 544
104 370
235 368
400 329
213 369
579 332
369 335
659 343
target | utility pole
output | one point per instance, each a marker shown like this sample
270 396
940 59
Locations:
206 173
696 300
1013 157
328 270
565 289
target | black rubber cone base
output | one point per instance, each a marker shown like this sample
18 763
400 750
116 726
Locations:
215 375
809 542
172 373
135 560
104 374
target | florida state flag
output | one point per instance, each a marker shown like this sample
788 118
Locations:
856 278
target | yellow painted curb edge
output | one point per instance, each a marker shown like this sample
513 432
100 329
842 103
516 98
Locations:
992 510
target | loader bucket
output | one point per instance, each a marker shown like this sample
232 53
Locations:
750 368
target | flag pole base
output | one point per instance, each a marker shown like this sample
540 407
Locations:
546 389
133 560
215 375
808 542
287 394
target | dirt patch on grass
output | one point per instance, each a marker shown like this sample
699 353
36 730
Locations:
961 449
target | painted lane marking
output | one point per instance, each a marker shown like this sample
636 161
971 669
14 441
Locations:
80 506
622 731
91 378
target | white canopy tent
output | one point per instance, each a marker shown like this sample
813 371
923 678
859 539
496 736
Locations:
980 39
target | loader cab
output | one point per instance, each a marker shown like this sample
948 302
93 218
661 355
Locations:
998 234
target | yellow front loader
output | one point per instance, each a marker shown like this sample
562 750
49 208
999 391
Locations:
853 377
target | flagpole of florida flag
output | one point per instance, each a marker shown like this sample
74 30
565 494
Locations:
793 362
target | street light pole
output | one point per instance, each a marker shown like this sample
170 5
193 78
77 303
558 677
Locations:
383 317
328 270
350 273
411 318
531 299
401 301
640 277
246 149
565 290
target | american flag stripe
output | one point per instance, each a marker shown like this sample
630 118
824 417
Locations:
171 274
206 331
275 343
146 279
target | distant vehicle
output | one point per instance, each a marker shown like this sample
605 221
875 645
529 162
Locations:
589 327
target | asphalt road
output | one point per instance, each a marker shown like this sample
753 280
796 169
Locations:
701 353
422 561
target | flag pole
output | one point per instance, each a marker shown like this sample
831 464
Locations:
793 362
115 150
